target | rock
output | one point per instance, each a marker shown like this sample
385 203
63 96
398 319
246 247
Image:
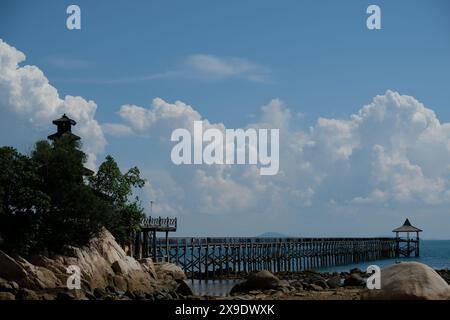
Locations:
148 265
184 288
64 295
283 283
103 263
321 283
254 292
5 286
334 282
7 296
126 266
120 283
89 295
99 293
355 270
410 281
262 280
354 280
313 287
10 269
26 274
297 284
170 269
26 294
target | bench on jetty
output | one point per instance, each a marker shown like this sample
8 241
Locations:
149 227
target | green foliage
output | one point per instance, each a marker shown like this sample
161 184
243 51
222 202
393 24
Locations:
117 189
45 202
22 203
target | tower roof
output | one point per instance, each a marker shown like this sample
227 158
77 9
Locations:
64 119
64 125
407 227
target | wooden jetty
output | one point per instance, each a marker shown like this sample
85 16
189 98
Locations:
209 258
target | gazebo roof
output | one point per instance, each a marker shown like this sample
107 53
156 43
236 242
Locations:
407 227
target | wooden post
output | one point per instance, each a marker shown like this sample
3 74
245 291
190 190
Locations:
200 259
192 258
167 247
207 259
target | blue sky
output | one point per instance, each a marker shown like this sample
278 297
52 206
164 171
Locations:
226 59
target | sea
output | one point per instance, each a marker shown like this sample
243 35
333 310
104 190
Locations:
435 253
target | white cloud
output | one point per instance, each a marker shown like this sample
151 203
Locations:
214 67
65 62
117 129
380 157
391 157
25 91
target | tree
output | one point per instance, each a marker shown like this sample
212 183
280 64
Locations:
117 189
76 213
22 203
46 202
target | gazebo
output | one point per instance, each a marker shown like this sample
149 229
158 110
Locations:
407 245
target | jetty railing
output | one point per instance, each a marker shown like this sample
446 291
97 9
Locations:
204 258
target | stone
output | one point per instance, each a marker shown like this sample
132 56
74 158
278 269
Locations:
354 280
7 296
10 269
313 287
170 269
26 294
148 266
355 270
184 288
99 293
297 284
321 283
262 280
334 282
120 283
5 286
410 281
102 262
64 295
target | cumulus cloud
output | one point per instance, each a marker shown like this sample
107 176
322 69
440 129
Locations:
26 92
392 153
381 156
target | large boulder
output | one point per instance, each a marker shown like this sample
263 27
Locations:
102 263
26 274
171 270
410 281
148 265
354 280
262 280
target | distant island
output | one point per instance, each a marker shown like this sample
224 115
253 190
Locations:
272 235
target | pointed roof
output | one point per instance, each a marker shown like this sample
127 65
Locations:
64 119
407 227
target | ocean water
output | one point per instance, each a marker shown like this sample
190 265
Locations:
435 253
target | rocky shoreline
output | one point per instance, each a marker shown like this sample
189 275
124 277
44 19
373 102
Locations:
107 273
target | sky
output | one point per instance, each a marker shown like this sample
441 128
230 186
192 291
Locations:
364 115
